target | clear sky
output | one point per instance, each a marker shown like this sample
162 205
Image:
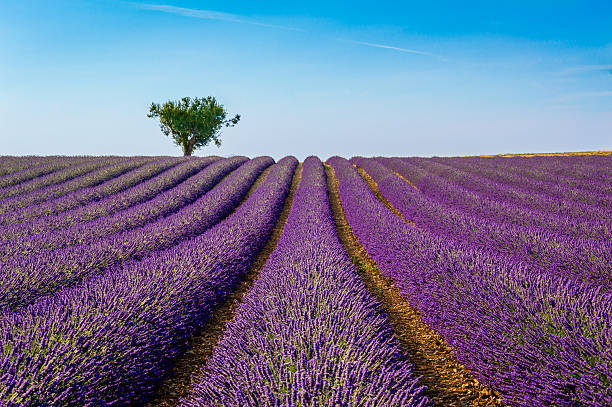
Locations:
318 77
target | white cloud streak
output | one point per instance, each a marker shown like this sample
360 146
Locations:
586 68
405 50
582 95
236 18
207 15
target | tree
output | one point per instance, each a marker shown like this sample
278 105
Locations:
192 123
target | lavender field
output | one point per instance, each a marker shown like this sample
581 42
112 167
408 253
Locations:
387 281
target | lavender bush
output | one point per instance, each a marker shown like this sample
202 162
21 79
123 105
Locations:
26 278
308 333
537 338
111 339
135 195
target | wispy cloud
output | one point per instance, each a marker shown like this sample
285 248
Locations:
207 15
406 50
582 95
236 18
586 68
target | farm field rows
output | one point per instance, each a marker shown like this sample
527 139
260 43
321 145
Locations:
386 281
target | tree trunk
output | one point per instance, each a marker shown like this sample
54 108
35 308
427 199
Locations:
188 147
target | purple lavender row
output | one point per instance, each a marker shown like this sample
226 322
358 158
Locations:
40 168
523 189
22 234
62 172
579 171
591 187
80 177
487 198
11 164
555 197
538 339
584 259
39 176
136 216
308 333
576 168
25 279
85 195
547 248
70 179
516 184
110 340
573 171
568 169
586 189
472 194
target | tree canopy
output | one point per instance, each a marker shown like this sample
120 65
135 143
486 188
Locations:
192 123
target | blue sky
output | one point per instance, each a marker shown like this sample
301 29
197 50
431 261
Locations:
324 78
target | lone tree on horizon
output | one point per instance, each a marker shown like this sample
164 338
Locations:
192 123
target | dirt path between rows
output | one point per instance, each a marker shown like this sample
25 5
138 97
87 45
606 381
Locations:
448 382
202 344
374 187
407 180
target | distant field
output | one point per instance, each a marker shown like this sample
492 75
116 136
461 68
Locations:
459 281
598 152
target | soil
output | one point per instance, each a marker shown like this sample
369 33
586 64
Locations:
374 186
406 179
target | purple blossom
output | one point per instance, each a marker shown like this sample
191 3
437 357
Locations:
112 338
308 333
537 338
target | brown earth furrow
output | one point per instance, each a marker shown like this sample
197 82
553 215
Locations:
262 177
448 382
407 180
202 344
374 186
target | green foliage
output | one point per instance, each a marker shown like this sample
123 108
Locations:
192 123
